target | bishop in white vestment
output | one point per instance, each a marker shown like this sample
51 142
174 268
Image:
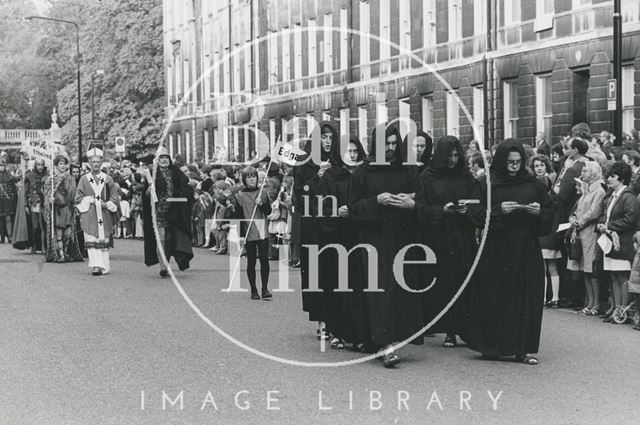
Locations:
96 198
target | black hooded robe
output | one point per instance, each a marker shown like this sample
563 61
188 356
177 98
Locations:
450 235
394 314
507 293
344 311
305 184
178 236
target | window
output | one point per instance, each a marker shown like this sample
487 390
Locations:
171 145
453 115
511 12
236 72
381 113
365 41
455 20
179 143
326 116
273 53
385 29
297 50
257 66
427 115
248 69
185 76
362 125
429 22
478 112
187 142
544 7
543 106
170 91
206 145
510 109
581 96
577 4
272 132
344 40
480 16
405 26
627 98
286 56
284 134
313 54
328 43
404 113
344 124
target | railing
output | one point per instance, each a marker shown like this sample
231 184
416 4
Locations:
18 136
568 24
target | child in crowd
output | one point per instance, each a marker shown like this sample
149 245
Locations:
253 204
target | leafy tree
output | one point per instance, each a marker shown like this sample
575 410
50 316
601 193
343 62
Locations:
121 37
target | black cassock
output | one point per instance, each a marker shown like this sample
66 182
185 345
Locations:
394 314
507 293
305 189
343 312
450 235
178 236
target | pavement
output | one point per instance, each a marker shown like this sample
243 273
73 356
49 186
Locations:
78 349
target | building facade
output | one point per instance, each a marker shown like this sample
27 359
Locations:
238 69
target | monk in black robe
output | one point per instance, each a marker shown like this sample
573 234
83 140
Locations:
305 188
343 310
381 204
507 294
173 215
449 232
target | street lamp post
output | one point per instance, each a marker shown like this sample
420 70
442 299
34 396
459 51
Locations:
93 108
617 71
75 24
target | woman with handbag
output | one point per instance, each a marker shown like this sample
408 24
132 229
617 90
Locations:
619 223
582 237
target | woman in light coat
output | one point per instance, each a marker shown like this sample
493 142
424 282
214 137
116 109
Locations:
583 221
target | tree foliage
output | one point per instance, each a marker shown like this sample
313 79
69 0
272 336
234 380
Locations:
124 39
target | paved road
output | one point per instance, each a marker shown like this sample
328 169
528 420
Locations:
82 350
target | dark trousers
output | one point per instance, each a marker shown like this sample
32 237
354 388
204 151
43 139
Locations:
258 250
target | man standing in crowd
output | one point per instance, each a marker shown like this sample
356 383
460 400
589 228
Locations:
96 198
173 198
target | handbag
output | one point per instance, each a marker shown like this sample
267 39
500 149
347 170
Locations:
574 244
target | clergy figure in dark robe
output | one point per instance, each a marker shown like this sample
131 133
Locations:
380 203
420 145
305 188
507 294
173 208
343 310
449 232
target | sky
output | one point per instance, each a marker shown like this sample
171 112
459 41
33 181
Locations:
41 5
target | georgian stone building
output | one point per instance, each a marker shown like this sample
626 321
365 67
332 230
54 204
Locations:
518 66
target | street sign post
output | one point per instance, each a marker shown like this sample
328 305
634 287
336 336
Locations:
612 92
120 145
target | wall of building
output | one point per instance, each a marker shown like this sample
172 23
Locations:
563 53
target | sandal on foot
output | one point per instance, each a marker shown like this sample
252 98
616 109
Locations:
450 341
96 271
527 359
164 273
337 344
389 360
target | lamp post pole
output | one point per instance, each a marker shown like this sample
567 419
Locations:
75 24
617 71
